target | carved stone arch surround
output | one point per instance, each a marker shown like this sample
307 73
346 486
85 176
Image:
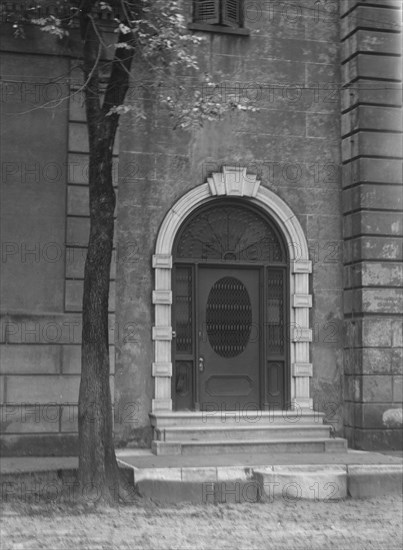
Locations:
233 181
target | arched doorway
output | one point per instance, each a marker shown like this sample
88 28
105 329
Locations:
230 310
238 188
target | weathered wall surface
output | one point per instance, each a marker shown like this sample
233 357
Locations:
290 66
44 234
291 69
372 204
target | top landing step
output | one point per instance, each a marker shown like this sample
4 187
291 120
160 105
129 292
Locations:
162 419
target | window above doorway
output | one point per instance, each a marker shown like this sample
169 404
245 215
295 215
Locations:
220 16
229 232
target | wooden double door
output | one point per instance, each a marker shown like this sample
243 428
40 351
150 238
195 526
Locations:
230 337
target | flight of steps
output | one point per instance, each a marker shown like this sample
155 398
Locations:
193 433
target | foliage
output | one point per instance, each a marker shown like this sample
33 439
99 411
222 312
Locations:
164 49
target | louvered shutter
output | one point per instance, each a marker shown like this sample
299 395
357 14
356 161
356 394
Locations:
231 13
206 11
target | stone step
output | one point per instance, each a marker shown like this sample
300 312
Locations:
290 483
242 432
237 417
264 484
293 483
314 445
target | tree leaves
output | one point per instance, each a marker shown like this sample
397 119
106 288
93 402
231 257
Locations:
168 52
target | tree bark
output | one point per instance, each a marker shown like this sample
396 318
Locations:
98 469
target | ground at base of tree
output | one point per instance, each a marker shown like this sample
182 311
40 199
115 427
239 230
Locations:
357 524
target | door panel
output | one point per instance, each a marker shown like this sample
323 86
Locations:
229 338
276 338
183 344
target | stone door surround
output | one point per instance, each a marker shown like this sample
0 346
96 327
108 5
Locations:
233 182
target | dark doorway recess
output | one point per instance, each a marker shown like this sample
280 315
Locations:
230 349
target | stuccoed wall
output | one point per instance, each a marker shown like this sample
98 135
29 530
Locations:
290 65
44 233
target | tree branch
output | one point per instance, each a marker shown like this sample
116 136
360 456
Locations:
91 55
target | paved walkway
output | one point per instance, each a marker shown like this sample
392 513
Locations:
205 478
214 478
143 458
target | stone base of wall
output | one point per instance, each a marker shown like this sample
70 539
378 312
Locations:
366 439
127 436
67 444
40 445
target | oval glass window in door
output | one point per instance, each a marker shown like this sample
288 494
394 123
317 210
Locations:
228 317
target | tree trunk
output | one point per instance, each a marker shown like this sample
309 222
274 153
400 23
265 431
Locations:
98 469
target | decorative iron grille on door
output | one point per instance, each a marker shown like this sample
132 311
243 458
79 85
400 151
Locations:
237 236
228 317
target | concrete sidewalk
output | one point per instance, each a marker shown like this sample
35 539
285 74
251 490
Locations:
241 477
145 459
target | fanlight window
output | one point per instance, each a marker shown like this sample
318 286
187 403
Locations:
230 233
